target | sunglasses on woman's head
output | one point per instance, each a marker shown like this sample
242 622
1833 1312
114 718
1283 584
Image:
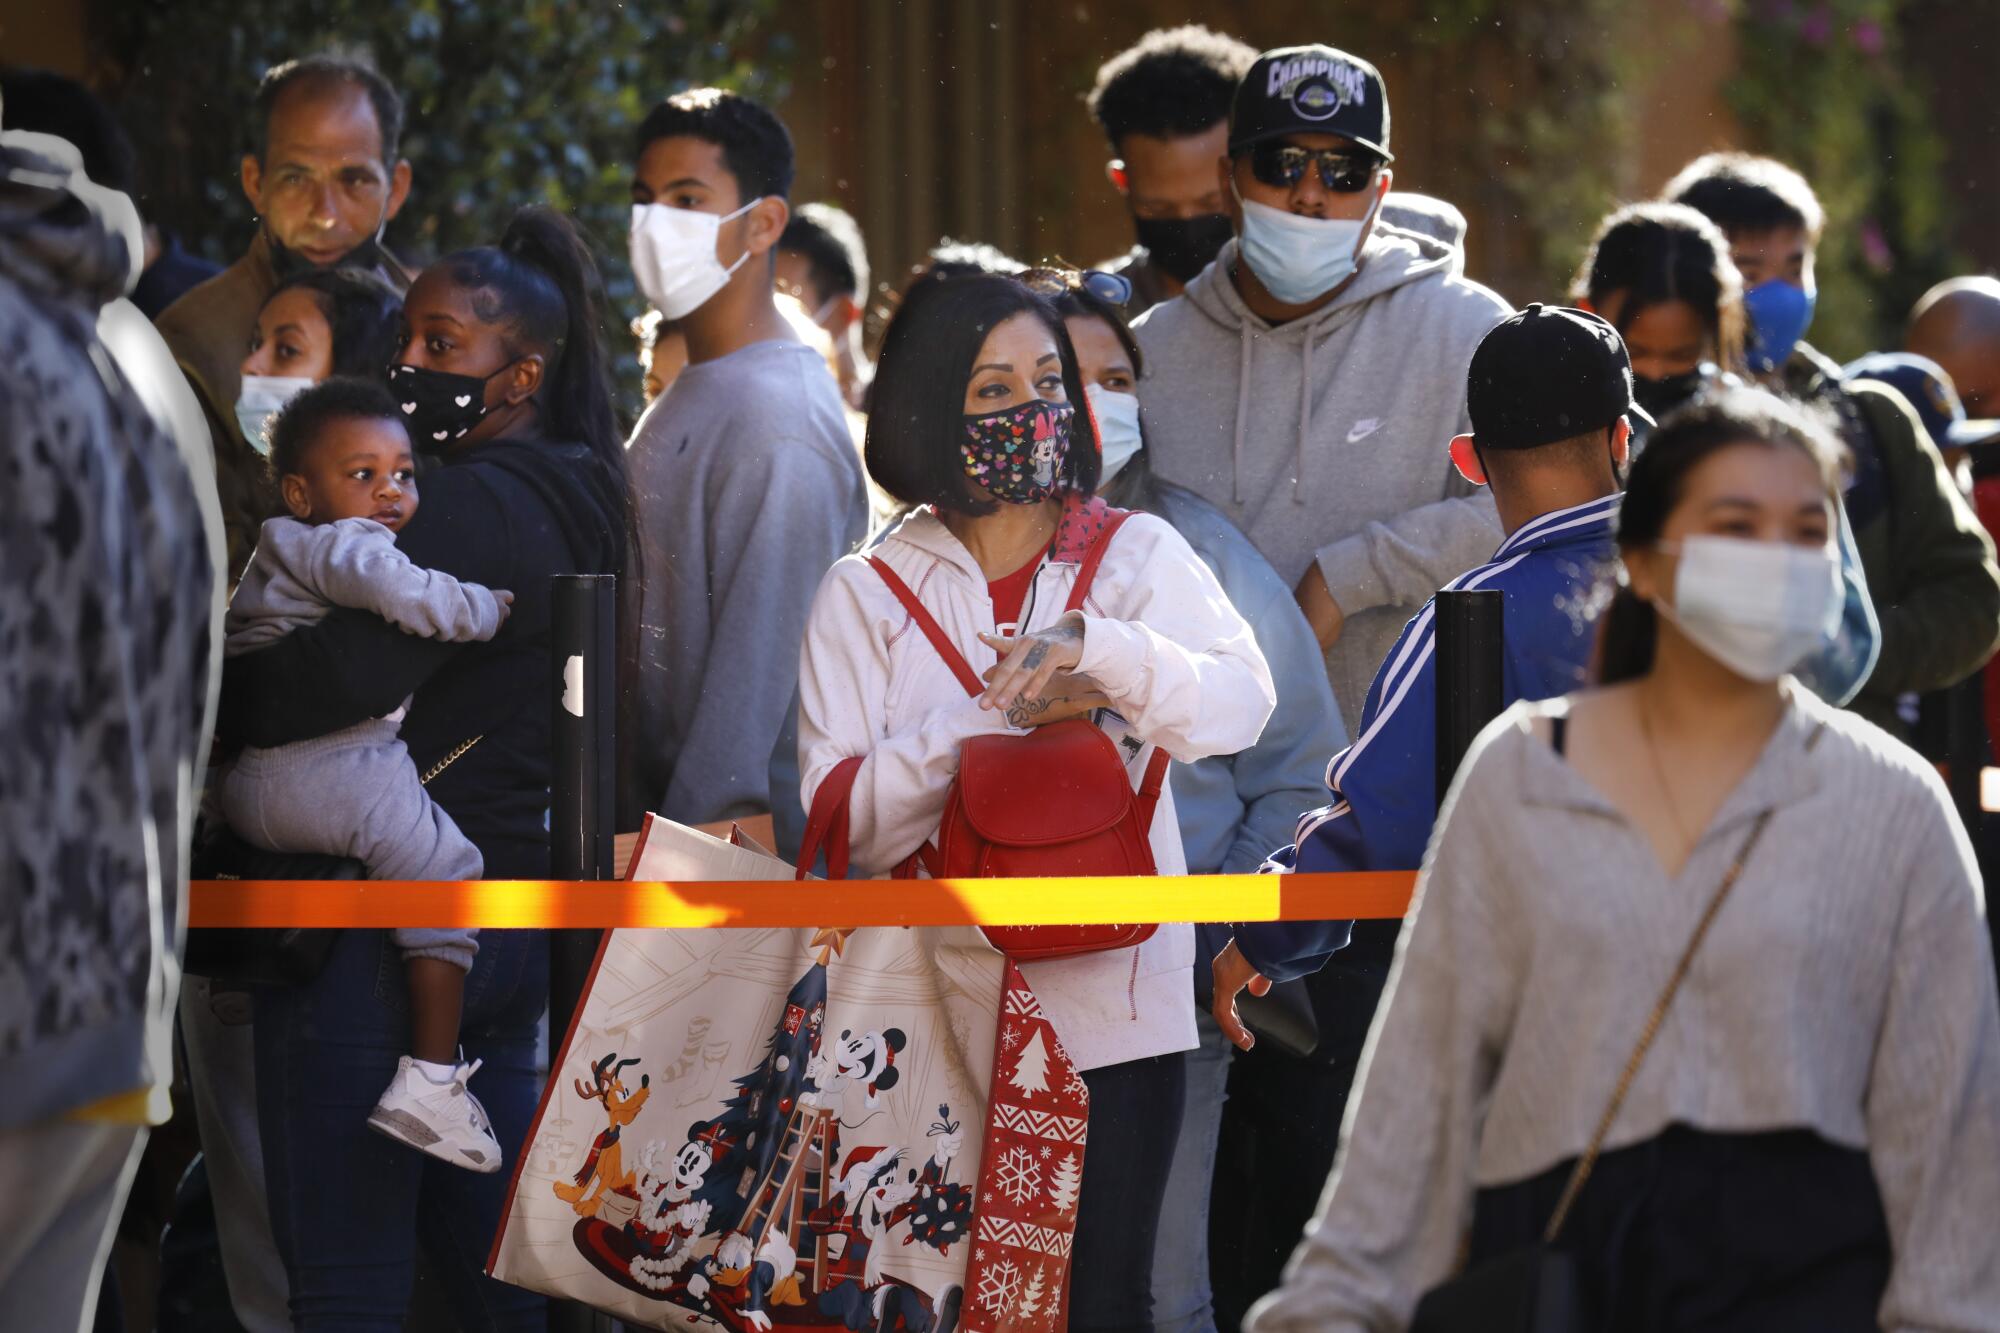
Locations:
1342 170
1110 288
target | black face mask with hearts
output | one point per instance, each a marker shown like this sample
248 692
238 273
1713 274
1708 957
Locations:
438 407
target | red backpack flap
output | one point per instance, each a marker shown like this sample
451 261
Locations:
1047 788
1053 802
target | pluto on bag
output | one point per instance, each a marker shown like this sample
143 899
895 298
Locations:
793 1129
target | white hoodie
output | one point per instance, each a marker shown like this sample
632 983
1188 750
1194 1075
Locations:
1160 639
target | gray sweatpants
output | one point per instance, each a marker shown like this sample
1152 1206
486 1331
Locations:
355 793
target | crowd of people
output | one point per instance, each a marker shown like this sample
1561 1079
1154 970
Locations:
1696 991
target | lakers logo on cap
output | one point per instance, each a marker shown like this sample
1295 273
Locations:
1315 99
1316 87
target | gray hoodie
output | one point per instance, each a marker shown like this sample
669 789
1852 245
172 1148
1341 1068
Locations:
1325 438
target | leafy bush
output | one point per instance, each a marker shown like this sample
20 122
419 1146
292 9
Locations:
1822 86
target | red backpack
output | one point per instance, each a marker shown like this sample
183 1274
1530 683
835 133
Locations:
1053 802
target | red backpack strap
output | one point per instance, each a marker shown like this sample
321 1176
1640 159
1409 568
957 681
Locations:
1113 520
827 827
1151 785
933 631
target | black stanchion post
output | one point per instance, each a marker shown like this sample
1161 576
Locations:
1965 749
1470 672
583 642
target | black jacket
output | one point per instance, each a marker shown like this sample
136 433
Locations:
510 514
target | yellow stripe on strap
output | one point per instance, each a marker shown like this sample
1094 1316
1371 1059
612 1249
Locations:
599 904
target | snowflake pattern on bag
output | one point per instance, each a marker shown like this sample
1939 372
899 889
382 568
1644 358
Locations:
1031 1168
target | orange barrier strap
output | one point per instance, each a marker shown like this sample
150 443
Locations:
599 904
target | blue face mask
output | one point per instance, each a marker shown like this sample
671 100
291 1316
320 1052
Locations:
1299 258
1780 312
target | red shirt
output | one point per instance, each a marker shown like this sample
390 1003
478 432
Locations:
1008 594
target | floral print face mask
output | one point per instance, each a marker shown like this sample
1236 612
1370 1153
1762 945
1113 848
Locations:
1017 453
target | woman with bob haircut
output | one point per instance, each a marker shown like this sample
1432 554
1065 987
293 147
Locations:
1695 990
980 423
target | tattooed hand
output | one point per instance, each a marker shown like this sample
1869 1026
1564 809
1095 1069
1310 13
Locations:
1031 663
1042 709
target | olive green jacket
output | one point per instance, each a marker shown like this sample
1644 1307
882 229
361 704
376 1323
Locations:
1929 564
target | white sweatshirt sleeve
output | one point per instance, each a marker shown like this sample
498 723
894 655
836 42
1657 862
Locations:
1175 658
844 688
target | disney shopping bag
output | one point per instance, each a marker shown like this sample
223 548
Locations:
759 1129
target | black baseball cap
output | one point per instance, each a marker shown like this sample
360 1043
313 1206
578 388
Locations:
1311 90
1549 373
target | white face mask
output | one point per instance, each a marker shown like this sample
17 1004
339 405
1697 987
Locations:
1299 258
259 400
1117 428
673 256
1759 608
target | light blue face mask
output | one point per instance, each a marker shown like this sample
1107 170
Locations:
260 399
1299 258
1118 438
1780 312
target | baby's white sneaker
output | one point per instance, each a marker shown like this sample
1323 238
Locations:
442 1119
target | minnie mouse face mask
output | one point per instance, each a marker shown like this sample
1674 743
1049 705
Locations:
1017 453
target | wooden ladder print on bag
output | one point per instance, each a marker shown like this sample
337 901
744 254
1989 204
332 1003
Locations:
781 1195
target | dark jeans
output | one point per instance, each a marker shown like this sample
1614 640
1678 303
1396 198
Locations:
1135 1120
1281 1128
349 1206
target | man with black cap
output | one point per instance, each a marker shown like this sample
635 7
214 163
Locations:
1303 380
1550 396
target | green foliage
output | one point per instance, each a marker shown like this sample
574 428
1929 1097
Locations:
1822 87
509 102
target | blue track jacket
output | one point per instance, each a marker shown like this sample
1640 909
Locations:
1554 573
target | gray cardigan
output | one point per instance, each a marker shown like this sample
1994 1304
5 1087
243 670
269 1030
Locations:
1847 988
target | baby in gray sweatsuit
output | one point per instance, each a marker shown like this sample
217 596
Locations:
346 473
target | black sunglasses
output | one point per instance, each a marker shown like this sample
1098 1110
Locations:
1341 170
1110 288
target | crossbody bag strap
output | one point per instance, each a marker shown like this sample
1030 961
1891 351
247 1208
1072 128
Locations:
1584 1164
932 630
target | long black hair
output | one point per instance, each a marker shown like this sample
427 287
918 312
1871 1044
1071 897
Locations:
918 402
539 284
1629 630
1655 253
363 312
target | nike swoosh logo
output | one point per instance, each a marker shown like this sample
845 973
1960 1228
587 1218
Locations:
1361 430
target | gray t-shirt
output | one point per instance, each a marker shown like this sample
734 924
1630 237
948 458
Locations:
748 489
